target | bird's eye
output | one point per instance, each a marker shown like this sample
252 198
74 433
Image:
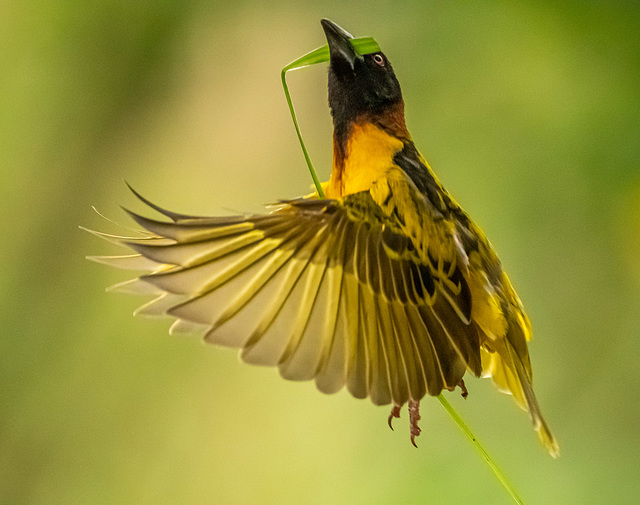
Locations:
379 59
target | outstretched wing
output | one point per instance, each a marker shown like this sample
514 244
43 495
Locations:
330 290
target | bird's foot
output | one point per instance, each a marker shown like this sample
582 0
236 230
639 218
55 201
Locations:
414 417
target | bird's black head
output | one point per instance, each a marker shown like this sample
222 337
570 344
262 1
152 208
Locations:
359 85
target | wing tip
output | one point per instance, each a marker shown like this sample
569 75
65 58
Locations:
174 216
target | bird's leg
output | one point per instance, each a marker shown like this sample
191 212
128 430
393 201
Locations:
395 412
414 417
464 393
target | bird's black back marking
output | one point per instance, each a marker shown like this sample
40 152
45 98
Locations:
409 160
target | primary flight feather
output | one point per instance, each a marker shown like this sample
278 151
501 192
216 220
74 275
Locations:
385 286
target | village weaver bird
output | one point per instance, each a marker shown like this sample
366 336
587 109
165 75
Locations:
384 286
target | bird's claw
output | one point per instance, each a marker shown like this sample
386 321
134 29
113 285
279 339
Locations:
395 412
464 392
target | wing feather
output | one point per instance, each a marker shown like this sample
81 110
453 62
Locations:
126 262
397 373
411 361
266 340
356 357
328 290
308 304
332 375
449 361
334 279
462 337
425 348
377 380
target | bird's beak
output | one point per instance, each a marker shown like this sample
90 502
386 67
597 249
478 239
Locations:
340 48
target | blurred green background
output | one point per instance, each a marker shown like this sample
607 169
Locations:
529 113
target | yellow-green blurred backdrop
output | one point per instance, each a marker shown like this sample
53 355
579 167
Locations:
529 113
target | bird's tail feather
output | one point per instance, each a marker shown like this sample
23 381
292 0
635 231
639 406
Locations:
540 425
510 375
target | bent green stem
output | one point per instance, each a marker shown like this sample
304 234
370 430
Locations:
312 171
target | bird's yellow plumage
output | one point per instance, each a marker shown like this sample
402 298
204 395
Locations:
386 287
368 157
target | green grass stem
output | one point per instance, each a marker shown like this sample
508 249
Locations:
483 452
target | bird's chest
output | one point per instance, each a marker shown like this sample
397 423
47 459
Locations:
367 156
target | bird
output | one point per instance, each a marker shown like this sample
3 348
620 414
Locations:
383 285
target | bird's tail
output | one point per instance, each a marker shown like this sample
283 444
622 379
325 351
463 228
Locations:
513 376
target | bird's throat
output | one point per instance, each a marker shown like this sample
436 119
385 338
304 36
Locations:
366 151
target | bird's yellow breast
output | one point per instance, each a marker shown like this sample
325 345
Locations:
368 155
